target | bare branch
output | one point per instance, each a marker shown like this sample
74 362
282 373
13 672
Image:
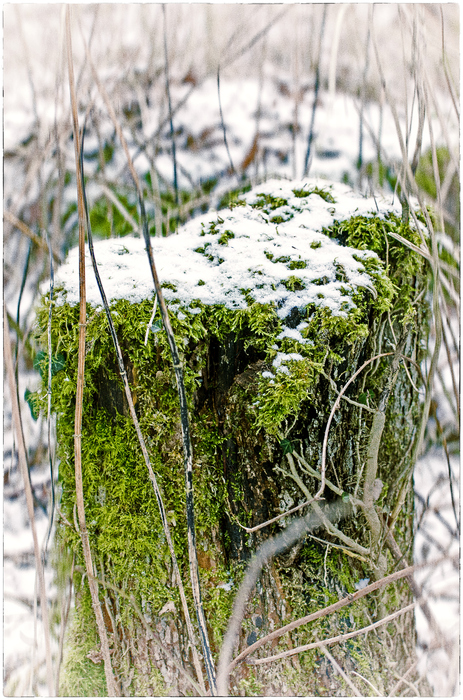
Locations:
24 228
268 549
342 673
348 600
334 640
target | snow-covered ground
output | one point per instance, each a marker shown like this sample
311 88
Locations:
267 107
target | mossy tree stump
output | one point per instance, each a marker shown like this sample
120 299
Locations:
274 303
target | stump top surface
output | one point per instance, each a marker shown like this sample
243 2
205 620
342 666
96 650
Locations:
269 247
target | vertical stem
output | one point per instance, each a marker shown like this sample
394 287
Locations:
110 680
172 134
315 97
50 459
188 461
362 106
224 130
29 498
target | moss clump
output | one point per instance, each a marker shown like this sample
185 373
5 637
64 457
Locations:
403 265
268 202
306 192
225 237
293 283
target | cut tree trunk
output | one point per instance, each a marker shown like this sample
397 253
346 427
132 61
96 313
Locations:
261 377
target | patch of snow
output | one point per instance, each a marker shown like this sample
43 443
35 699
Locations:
220 258
362 583
294 334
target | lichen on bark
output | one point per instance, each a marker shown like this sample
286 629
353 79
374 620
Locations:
261 378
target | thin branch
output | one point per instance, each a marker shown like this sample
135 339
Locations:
24 228
350 598
364 407
257 37
152 632
374 442
102 632
334 50
8 356
315 98
172 133
268 549
317 475
375 690
50 460
446 70
333 411
119 206
150 322
341 672
331 529
362 104
334 640
402 679
224 129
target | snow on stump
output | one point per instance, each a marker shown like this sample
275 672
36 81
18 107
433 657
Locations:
275 304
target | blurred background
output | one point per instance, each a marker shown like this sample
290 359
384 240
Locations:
213 99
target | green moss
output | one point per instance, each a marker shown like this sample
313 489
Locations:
81 677
232 199
269 203
297 265
306 192
403 266
225 237
293 283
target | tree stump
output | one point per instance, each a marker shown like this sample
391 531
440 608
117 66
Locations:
275 303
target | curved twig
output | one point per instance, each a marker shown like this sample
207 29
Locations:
268 549
333 411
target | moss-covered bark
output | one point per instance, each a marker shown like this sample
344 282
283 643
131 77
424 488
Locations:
257 435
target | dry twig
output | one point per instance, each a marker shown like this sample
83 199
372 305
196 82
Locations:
102 632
